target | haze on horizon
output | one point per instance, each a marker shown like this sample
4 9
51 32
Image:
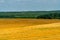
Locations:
29 5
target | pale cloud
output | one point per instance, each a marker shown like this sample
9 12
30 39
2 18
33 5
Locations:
51 1
2 1
29 4
43 1
24 0
55 1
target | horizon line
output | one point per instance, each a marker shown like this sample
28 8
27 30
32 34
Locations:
26 10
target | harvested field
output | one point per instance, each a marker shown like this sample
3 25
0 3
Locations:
29 29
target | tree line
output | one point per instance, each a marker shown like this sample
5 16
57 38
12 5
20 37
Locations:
49 16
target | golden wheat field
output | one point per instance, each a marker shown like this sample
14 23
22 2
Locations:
29 29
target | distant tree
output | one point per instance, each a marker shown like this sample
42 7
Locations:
44 17
49 16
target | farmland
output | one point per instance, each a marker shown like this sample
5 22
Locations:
29 29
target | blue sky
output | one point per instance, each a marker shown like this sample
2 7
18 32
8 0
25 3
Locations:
29 5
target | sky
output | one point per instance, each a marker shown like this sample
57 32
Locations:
29 5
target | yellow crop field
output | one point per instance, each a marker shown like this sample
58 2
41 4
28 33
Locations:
29 29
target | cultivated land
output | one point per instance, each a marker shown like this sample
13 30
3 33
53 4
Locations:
29 29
